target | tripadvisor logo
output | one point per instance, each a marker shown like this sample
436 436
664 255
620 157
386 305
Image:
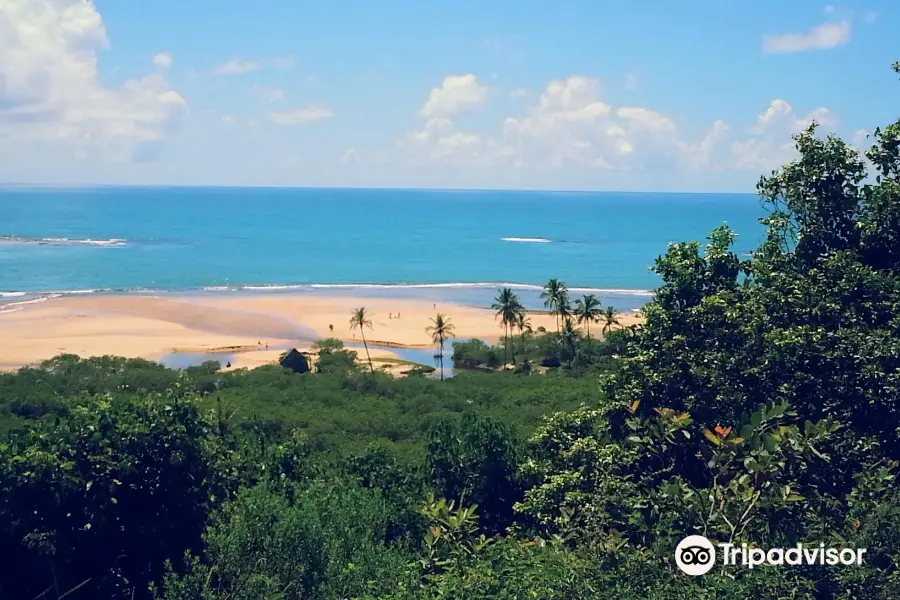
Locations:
696 555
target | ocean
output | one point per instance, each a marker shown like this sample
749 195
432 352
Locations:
447 245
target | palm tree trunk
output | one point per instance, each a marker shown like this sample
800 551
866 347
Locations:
366 346
505 344
589 330
442 358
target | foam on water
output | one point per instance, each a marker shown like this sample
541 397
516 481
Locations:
527 240
64 241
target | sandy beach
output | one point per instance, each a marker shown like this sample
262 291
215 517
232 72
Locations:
152 327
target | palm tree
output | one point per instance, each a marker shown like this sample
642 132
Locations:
440 329
610 318
524 325
587 311
360 320
507 306
556 298
568 335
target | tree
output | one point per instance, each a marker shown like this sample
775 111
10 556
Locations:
610 319
360 320
440 329
475 460
524 325
587 311
760 400
556 298
507 306
103 496
568 336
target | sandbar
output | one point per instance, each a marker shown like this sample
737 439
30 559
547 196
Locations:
252 328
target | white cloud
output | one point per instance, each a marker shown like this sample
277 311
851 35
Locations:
269 94
237 66
769 143
458 94
300 115
519 93
821 37
50 89
570 124
163 60
701 156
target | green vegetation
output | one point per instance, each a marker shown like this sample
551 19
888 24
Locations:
759 404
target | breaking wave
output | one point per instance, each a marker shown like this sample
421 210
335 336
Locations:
64 241
527 240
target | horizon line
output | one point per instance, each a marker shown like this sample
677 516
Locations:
72 186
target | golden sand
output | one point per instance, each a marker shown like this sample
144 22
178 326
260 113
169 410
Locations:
154 326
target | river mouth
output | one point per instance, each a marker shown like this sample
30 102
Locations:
179 361
420 356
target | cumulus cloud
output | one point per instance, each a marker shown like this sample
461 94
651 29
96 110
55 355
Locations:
163 60
570 124
458 94
700 156
821 37
769 143
300 115
50 89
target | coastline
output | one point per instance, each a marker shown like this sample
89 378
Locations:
154 326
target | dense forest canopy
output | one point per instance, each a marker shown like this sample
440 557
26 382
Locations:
758 404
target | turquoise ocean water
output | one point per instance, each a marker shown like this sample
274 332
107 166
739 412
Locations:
448 245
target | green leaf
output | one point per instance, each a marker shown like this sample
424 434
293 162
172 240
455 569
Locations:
756 419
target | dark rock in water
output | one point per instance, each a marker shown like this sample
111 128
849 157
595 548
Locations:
295 361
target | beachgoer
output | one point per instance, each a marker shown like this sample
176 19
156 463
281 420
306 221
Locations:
228 365
331 327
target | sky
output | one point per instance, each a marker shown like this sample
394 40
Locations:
653 95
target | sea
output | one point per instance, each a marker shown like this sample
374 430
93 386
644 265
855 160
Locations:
447 245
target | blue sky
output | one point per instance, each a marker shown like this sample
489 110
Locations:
681 95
